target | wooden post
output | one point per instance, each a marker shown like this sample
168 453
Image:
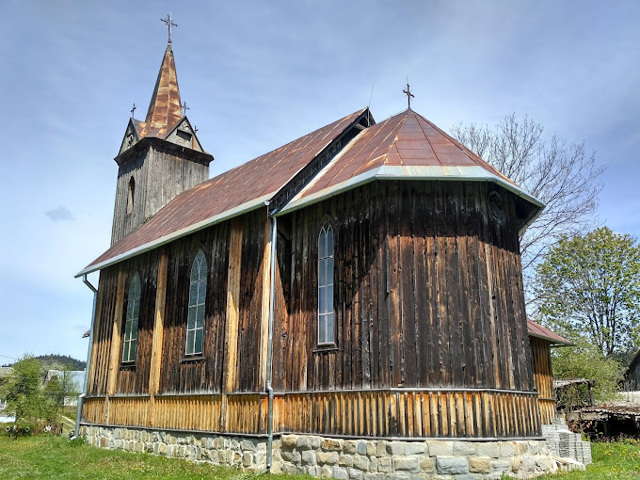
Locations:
158 335
231 326
116 341
266 293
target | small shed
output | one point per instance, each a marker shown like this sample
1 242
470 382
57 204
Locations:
542 339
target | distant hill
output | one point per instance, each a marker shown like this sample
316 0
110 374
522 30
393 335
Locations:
57 362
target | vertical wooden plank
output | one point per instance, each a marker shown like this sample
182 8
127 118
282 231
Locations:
403 428
158 333
265 268
232 313
417 415
116 336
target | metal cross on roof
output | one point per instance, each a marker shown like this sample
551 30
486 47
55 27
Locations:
184 109
169 23
407 92
133 110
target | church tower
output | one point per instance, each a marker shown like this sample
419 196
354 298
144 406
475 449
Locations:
158 158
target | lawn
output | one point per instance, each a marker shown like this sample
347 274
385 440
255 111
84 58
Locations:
45 457
611 461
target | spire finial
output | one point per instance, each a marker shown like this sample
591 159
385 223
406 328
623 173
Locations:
169 23
184 109
133 110
407 92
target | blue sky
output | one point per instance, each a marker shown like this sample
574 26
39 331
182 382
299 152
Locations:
259 74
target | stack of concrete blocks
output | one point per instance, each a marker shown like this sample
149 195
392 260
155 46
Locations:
566 444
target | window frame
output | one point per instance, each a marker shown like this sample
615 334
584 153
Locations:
130 334
199 307
326 314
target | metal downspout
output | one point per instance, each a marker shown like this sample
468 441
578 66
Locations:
89 348
272 281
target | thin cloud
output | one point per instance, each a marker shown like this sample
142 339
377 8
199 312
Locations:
60 214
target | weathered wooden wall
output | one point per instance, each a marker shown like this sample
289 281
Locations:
431 341
364 413
543 375
180 373
159 174
105 306
428 292
201 373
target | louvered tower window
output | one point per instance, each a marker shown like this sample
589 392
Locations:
131 325
326 315
131 195
197 293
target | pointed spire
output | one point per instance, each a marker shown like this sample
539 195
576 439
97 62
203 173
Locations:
165 108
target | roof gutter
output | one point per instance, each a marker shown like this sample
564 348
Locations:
88 363
434 173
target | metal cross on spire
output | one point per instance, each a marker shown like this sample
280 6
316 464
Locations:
133 110
169 23
184 109
407 92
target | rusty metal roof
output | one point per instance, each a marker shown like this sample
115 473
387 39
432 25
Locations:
406 145
239 190
537 330
165 108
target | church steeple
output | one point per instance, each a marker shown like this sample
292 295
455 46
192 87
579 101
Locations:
165 107
159 158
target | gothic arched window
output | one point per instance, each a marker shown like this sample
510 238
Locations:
326 315
131 324
195 316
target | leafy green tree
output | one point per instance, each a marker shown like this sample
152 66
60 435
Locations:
61 387
586 361
23 393
588 286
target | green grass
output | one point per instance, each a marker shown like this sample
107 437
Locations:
45 457
611 461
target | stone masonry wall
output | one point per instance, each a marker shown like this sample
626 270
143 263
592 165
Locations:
247 453
436 459
342 459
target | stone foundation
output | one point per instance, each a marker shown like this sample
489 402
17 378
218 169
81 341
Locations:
242 452
342 459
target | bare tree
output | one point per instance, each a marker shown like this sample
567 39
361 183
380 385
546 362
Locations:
562 176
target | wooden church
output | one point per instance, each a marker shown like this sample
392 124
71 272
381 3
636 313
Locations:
360 282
